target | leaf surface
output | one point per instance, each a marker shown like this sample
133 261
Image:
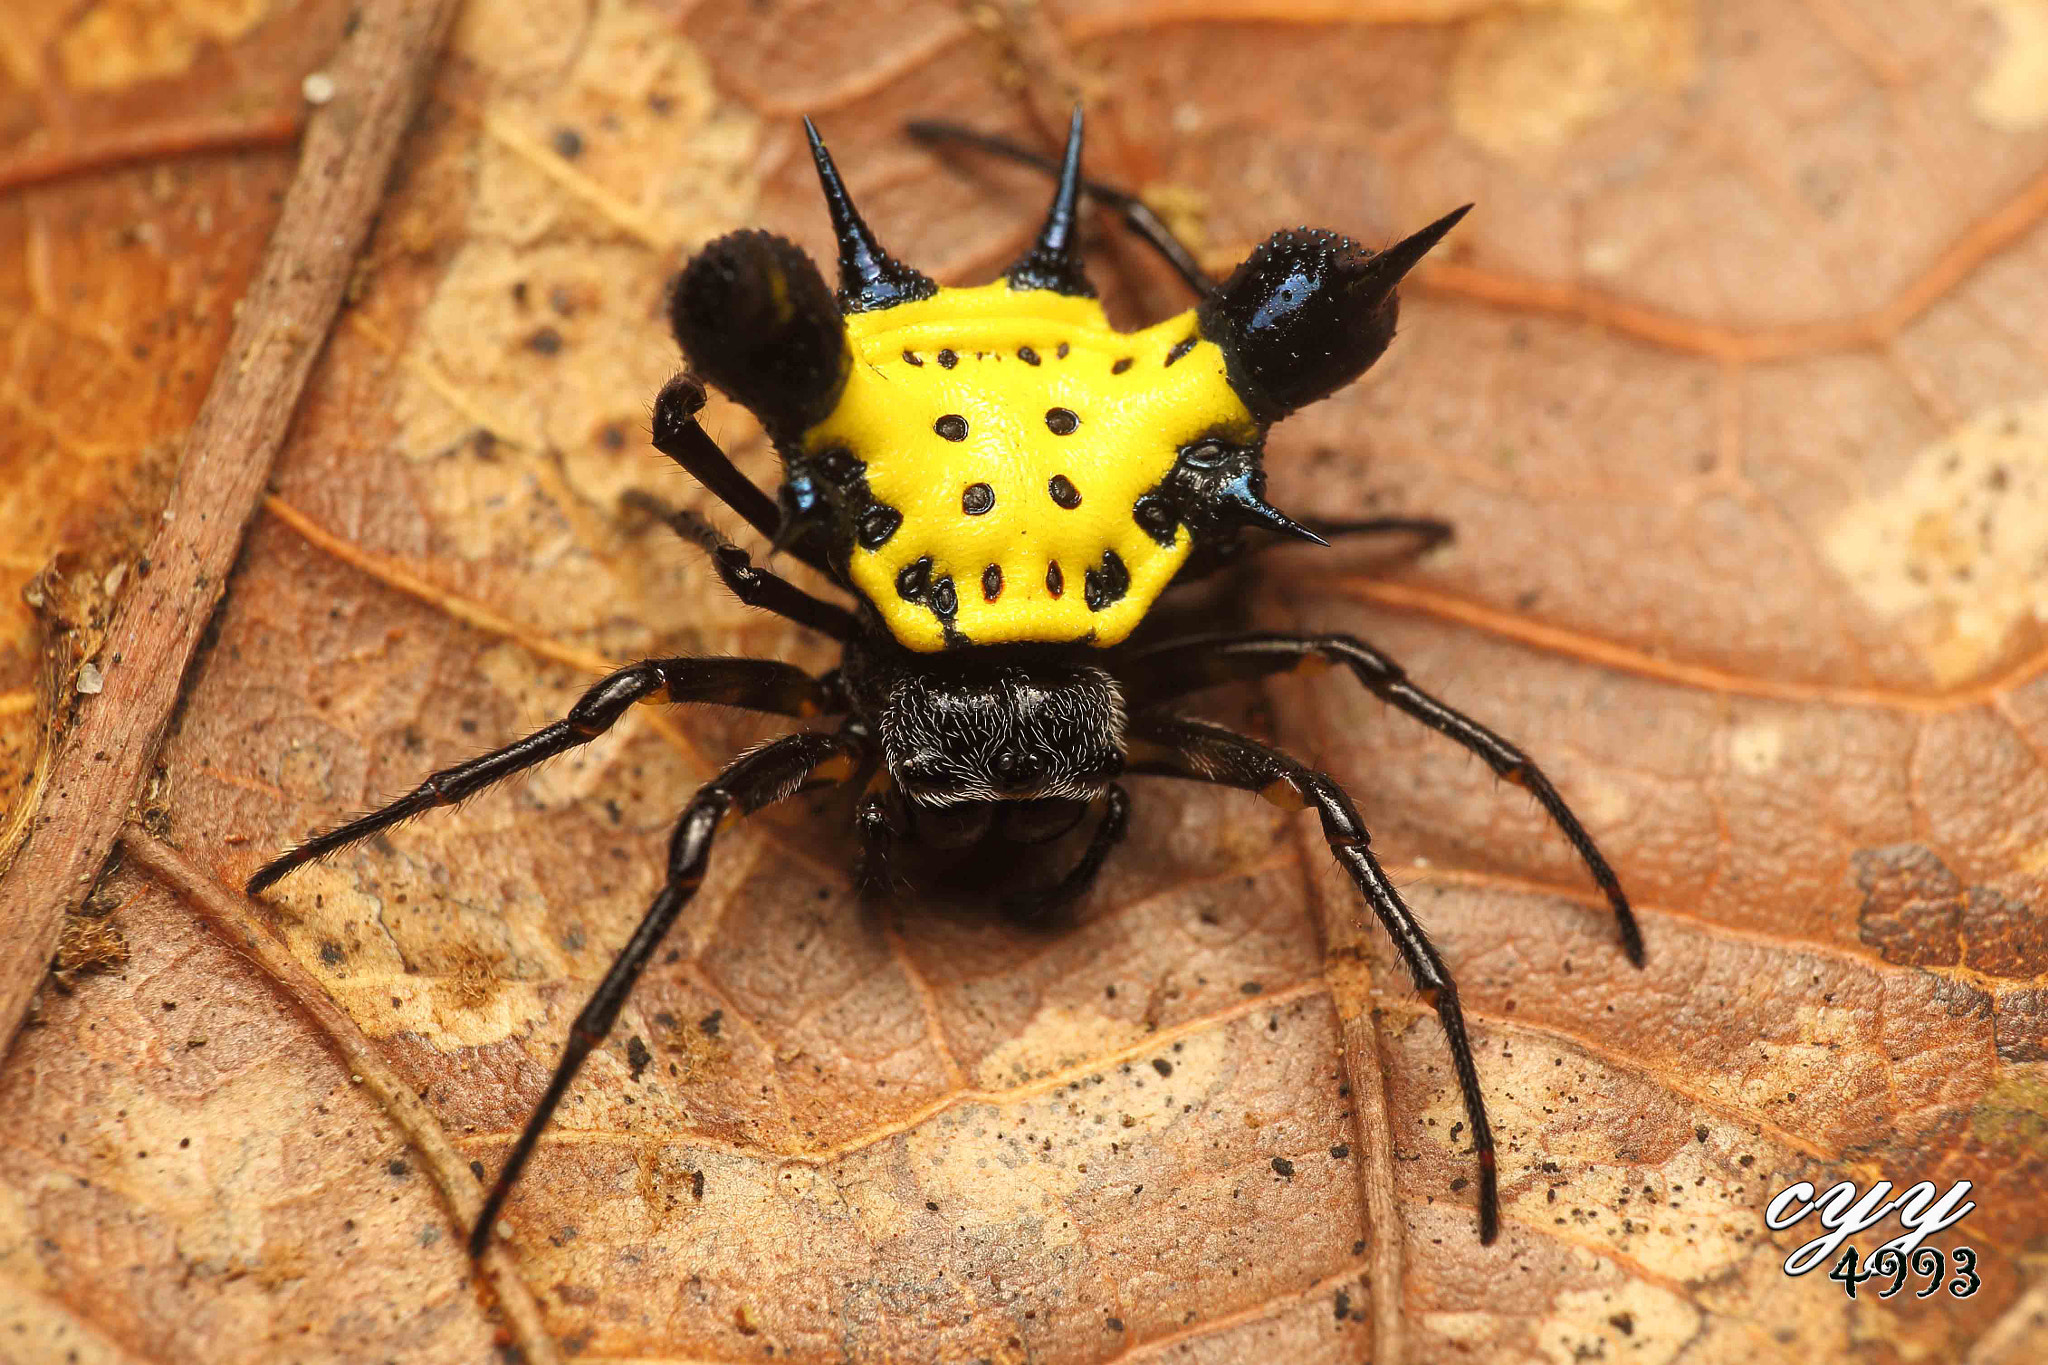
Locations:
1734 386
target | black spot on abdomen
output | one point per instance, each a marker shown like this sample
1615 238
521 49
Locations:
877 524
1157 518
1107 585
914 579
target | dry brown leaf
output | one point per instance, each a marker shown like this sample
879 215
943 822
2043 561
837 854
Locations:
1735 386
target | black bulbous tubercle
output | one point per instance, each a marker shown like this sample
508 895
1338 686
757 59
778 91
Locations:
755 317
1308 312
869 277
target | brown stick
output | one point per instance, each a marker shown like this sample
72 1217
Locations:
381 71
230 915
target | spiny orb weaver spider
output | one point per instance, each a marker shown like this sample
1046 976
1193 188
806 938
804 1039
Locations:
1004 485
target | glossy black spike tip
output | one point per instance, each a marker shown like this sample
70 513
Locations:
1054 260
869 277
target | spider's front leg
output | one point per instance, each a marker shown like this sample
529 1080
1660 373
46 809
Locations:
753 684
1171 747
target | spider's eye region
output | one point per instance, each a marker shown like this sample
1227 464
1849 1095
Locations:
1206 454
1015 770
1003 734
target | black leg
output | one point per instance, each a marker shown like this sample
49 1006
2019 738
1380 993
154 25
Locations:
1172 747
754 684
678 435
753 780
1182 666
1429 530
1136 215
1116 819
755 587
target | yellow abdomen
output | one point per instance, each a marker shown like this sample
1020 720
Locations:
1007 437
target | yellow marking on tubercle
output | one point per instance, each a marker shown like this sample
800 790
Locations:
1130 430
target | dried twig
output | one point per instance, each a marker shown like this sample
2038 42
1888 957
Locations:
229 914
380 74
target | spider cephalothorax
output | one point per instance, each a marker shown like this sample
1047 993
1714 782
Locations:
1003 484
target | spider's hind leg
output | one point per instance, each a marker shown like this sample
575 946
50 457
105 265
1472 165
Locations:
1171 747
1136 214
1178 667
751 781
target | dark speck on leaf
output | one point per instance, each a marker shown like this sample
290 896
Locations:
637 1055
331 953
1162 1066
398 1167
545 341
568 143
476 1168
1283 1168
1251 988
711 1023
